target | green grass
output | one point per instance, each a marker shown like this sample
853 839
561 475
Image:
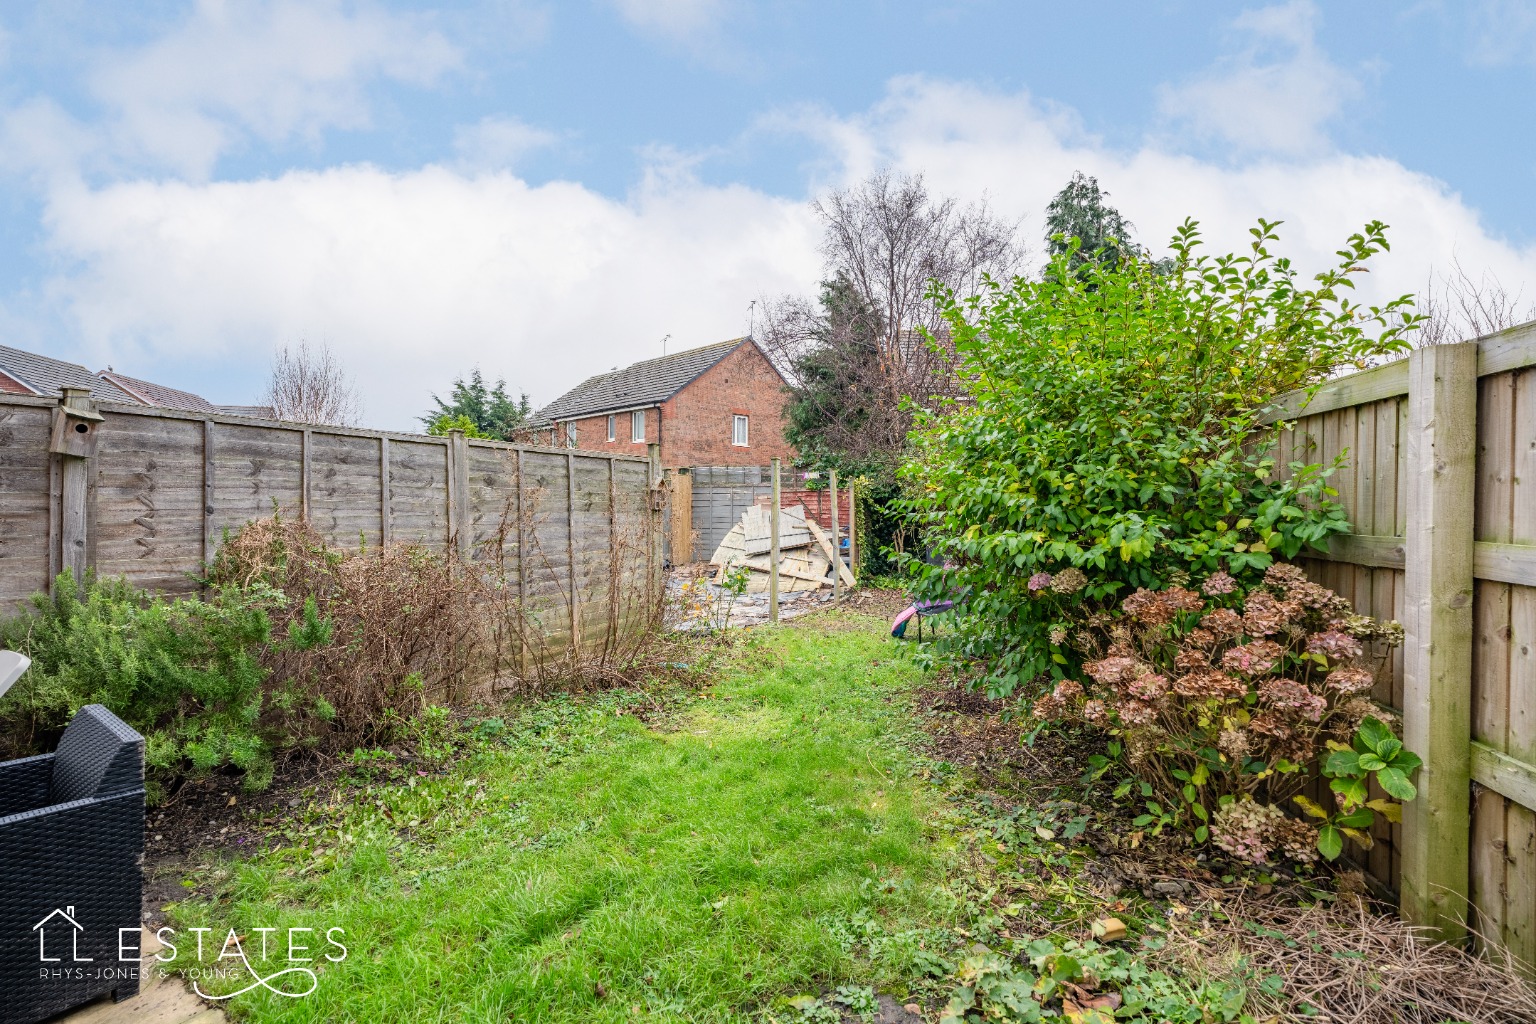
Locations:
581 866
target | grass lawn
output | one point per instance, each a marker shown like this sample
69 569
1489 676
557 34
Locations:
580 865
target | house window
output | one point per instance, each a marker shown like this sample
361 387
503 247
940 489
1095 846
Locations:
612 428
570 434
739 431
637 425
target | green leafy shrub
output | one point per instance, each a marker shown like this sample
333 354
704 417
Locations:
188 674
1109 424
1224 704
295 645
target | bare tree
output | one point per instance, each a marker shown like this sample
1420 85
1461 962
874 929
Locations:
309 385
1457 307
873 337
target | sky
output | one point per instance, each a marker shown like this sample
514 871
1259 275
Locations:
546 190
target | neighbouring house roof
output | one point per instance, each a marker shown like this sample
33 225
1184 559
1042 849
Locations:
45 375
149 393
644 384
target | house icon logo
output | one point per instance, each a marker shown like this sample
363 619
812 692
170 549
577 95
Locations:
58 922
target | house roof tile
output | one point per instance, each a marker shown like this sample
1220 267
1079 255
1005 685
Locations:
149 393
642 384
46 375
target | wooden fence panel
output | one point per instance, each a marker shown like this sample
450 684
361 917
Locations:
1503 849
256 471
577 531
546 497
344 482
149 500
1367 414
418 493
26 564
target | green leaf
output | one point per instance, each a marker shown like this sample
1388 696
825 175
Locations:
1342 763
1396 784
1371 763
1330 842
1374 733
1362 818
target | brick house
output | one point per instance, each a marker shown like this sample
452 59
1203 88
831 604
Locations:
720 405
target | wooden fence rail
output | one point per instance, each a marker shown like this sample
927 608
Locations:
149 494
1439 479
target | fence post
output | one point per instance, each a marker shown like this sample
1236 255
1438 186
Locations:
682 516
773 545
571 556
458 492
656 503
853 529
73 439
837 538
1441 462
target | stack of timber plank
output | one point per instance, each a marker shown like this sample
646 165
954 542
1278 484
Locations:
805 551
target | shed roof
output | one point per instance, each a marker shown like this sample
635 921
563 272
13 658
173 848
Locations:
642 384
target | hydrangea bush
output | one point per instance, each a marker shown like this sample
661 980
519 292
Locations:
1110 424
1220 703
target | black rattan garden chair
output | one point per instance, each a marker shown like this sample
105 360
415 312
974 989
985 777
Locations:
71 842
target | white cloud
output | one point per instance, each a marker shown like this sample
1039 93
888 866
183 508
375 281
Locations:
1503 32
1277 94
272 69
499 143
676 19
414 277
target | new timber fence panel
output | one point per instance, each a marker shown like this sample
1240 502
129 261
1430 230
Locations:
1440 456
573 532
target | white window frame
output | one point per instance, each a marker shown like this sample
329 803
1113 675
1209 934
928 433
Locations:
613 426
570 434
637 426
740 428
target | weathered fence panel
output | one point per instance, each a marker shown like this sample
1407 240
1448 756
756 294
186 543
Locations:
160 491
1424 478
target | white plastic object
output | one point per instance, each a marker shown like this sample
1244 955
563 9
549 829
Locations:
12 665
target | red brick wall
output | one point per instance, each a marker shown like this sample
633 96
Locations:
696 423
818 505
11 386
592 434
